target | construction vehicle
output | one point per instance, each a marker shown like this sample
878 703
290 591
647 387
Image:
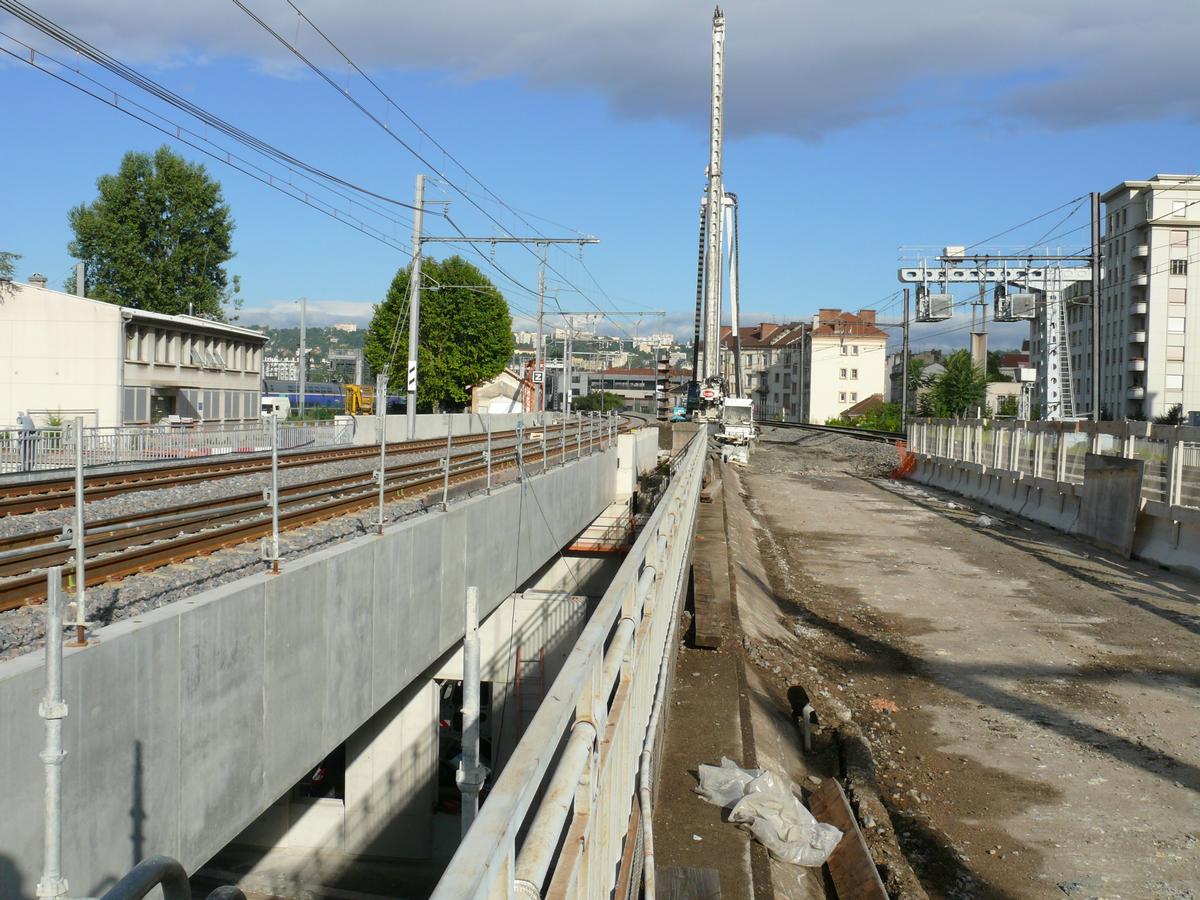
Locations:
736 432
360 399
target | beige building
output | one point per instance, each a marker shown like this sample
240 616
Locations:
63 355
845 363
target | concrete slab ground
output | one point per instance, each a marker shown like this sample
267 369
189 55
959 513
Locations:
1031 702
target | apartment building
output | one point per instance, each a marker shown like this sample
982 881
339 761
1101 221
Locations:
770 366
845 363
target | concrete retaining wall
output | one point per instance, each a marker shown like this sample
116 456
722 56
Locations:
429 425
1167 535
190 720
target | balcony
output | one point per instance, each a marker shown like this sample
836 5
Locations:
1141 250
1137 365
1136 393
1140 308
1140 280
1137 337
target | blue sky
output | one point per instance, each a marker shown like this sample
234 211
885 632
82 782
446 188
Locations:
846 140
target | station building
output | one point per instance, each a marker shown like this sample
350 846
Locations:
64 356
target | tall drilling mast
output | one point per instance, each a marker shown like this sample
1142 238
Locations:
714 198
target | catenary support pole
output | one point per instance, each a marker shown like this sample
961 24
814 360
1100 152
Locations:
904 369
471 773
488 453
53 710
414 308
539 405
446 471
275 493
1095 349
302 369
381 383
80 543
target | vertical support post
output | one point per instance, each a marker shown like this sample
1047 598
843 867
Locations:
381 383
80 544
1174 469
302 370
446 471
53 710
275 493
488 453
414 308
538 366
1095 348
562 439
579 435
471 774
904 370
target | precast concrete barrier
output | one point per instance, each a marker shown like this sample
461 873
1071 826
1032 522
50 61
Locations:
1038 470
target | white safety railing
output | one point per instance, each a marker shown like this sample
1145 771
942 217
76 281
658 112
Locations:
556 823
1056 451
45 449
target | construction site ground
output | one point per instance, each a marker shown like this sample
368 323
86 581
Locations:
1019 712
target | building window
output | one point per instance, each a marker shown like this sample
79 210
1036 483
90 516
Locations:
841 373
776 377
1175 354
1179 266
854 349
854 373
1176 324
842 397
1177 295
853 398
1178 209
1179 238
1174 382
845 350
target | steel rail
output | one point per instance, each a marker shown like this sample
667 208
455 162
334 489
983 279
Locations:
141 557
23 497
96 529
864 434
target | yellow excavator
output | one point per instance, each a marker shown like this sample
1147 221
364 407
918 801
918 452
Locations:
360 399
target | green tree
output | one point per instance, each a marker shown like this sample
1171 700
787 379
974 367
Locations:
994 374
960 389
1173 416
7 270
157 238
601 401
465 334
1008 406
885 417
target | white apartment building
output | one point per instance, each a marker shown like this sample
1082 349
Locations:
810 371
63 355
845 363
1149 296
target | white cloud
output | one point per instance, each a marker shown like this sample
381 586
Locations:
801 69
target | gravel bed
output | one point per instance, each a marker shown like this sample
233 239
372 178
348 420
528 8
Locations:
151 501
22 630
824 451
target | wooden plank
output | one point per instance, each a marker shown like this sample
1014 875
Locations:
850 865
687 884
707 604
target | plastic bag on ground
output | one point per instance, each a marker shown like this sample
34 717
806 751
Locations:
764 803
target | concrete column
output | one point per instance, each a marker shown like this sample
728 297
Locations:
391 777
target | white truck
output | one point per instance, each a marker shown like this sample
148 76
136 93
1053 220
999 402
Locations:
737 429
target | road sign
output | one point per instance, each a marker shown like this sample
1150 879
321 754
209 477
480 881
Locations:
539 377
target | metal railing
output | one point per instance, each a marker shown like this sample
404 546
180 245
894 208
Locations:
46 449
558 822
1055 451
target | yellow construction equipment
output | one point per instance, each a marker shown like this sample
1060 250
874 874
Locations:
360 399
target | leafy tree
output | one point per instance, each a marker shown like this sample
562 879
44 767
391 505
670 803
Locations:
881 418
465 334
601 401
157 238
7 269
994 374
960 389
1008 406
1173 416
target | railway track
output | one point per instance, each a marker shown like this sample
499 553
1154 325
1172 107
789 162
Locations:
863 434
125 545
17 498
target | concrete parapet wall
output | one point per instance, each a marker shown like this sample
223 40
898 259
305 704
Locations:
435 425
1167 535
187 722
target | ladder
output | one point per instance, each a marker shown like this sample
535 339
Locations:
1064 361
529 686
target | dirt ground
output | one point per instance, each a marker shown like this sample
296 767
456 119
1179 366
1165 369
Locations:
1032 704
